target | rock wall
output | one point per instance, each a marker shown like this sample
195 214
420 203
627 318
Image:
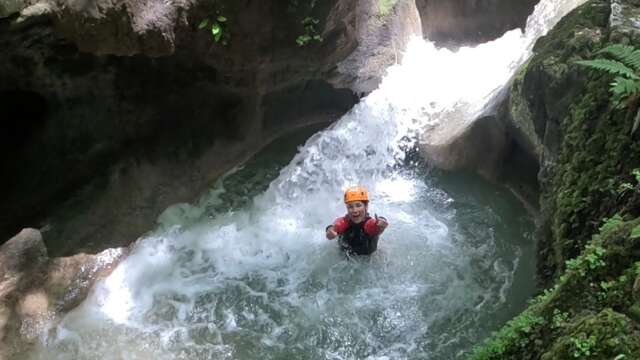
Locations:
119 109
589 248
460 22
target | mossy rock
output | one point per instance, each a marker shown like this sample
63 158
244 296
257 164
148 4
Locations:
606 335
589 248
596 153
634 312
573 31
544 87
600 279
584 187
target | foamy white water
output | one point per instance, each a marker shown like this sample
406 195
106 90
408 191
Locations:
260 280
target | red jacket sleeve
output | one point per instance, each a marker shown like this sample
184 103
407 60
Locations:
371 227
341 225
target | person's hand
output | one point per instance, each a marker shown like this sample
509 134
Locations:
331 233
382 223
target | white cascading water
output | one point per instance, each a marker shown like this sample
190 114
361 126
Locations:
261 281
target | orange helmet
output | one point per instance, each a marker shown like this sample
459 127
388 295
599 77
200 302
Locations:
356 193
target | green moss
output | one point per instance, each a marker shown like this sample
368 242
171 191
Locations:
385 7
574 30
515 337
634 312
521 115
606 335
596 153
590 247
599 281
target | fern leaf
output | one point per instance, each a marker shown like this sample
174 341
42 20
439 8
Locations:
624 87
610 66
627 54
618 51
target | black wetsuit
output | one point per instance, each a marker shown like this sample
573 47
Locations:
356 241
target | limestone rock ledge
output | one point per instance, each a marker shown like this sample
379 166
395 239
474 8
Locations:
471 21
36 290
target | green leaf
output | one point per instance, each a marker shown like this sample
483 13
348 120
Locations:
625 87
624 187
303 40
203 24
617 50
217 36
221 18
635 232
216 29
625 53
610 66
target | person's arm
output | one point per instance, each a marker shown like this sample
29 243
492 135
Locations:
338 227
376 226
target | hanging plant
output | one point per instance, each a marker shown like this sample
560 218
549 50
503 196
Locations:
310 32
218 28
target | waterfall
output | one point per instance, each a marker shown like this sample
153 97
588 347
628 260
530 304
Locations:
259 279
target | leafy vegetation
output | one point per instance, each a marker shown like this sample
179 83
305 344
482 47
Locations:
309 23
592 259
385 7
566 322
560 318
592 232
584 346
310 31
625 67
516 334
218 28
627 186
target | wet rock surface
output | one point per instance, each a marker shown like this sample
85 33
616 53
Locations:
464 22
479 146
36 290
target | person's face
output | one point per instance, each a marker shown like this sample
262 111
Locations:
357 211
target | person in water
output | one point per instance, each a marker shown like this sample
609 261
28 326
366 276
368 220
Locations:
358 232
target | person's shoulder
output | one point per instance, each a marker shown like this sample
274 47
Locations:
341 224
343 218
371 227
369 221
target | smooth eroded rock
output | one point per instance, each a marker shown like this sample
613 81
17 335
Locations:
25 251
472 21
36 291
478 145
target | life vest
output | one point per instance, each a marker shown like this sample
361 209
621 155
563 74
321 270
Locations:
355 240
